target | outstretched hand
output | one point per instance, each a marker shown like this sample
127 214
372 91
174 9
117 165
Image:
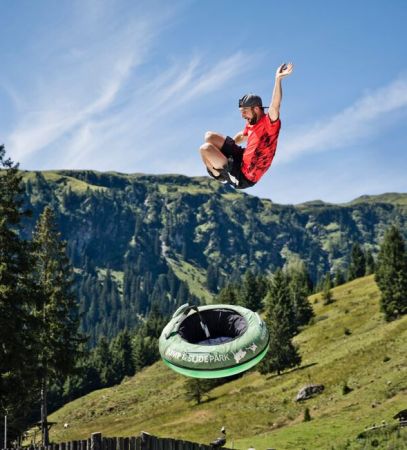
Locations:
284 70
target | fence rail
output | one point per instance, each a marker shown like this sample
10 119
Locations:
143 442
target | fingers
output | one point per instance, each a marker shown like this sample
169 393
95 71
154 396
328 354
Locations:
285 69
288 67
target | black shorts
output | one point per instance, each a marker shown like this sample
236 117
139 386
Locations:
234 154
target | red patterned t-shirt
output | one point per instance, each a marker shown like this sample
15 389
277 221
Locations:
261 147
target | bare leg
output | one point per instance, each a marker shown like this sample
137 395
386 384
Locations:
215 139
211 155
213 158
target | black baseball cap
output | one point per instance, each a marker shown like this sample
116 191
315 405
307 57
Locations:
250 100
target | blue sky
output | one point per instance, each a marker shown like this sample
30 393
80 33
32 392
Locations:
132 86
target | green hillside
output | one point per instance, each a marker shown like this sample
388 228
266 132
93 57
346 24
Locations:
136 240
348 342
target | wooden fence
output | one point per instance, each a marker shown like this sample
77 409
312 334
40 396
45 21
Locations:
143 442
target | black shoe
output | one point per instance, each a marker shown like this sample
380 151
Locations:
222 177
227 174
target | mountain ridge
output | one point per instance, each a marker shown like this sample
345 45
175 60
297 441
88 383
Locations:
386 197
136 240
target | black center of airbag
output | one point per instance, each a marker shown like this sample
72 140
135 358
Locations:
223 324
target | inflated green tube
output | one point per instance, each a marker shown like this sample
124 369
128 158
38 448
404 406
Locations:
213 341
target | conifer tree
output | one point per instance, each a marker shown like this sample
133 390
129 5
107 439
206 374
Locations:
252 291
339 278
182 294
391 274
228 295
17 300
212 278
196 389
57 309
139 353
370 263
282 354
104 362
122 357
357 267
85 379
300 288
326 289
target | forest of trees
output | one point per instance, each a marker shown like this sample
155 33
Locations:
38 311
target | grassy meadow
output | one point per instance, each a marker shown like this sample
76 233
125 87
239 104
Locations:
347 343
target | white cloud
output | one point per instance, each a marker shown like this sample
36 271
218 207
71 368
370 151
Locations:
126 137
85 75
363 119
51 121
96 104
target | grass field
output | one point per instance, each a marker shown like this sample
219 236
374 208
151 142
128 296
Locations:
193 276
347 343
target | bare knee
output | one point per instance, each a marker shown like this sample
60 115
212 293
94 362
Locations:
205 148
213 138
216 139
209 136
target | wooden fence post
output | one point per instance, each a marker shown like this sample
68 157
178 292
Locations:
138 443
96 441
145 441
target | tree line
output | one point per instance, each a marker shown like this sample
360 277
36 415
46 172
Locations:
110 361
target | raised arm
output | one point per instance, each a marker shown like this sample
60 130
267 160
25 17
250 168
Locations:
274 109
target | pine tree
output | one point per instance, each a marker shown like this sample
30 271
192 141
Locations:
17 300
391 274
139 353
370 263
105 296
326 289
196 389
57 309
300 288
182 295
85 379
357 267
104 362
282 354
339 278
121 350
228 295
212 278
252 291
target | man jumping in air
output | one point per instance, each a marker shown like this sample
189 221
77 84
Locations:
242 167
